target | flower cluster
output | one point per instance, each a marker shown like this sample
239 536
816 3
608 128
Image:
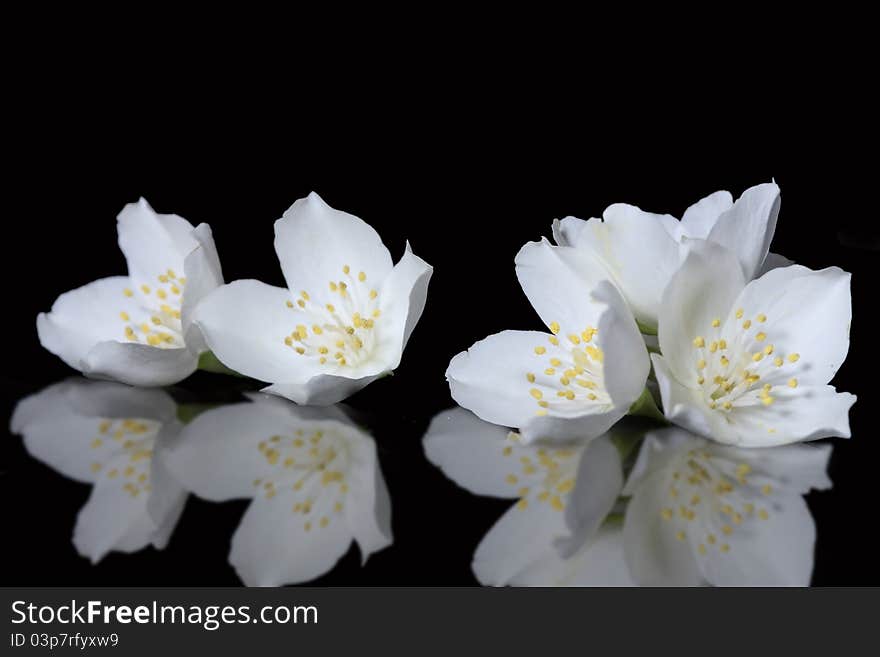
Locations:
737 345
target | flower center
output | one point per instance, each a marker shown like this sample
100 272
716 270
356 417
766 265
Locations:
711 497
308 463
573 377
158 324
135 438
734 363
343 332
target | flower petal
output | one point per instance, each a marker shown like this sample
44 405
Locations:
702 290
521 537
153 243
81 318
314 242
139 364
600 562
808 313
747 228
403 295
773 261
476 455
681 405
654 555
203 275
272 546
370 517
490 378
245 323
699 219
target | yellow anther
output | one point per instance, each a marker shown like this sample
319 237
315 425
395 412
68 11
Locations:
376 313
727 405
511 479
362 277
161 294
574 339
768 349
522 505
554 327
550 371
300 351
304 295
713 347
793 358
778 361
128 292
530 377
701 380
564 380
592 397
302 332
556 503
331 308
701 364
680 535
537 394
762 318
288 341
724 361
175 289
763 515
555 362
766 489
300 303
346 269
722 344
540 350
373 294
595 353
757 356
747 324
739 313
153 340
666 514
711 539
716 323
725 548
324 521
727 530
767 400
124 316
333 287
699 342
569 394
792 383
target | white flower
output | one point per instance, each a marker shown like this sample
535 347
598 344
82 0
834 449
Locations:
639 251
343 322
703 513
312 475
136 328
552 534
748 363
575 381
106 434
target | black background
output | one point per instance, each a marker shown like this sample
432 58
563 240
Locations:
467 164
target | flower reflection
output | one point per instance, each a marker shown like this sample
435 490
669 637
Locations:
108 434
692 512
312 475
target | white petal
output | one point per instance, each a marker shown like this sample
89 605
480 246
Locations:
808 313
271 546
314 242
654 555
81 318
203 275
521 537
598 483
776 552
640 254
490 378
320 390
682 405
699 219
245 323
476 455
112 519
402 296
747 228
600 562
153 243
566 232
558 282
217 455
773 261
369 513
61 425
703 289
139 364
806 413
